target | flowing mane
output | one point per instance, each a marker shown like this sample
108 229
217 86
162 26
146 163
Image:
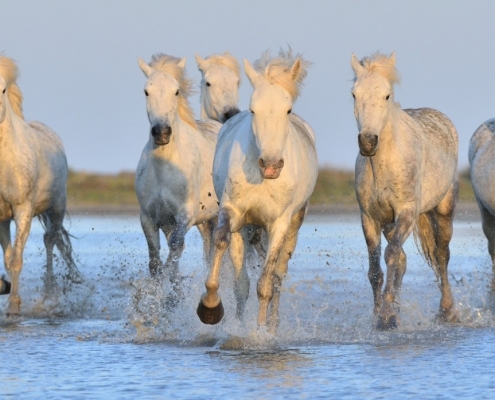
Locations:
382 65
169 65
10 72
277 70
227 60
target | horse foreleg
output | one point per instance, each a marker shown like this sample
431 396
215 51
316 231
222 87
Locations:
6 243
372 235
151 233
23 227
241 279
277 235
444 216
176 244
282 266
210 309
387 316
402 264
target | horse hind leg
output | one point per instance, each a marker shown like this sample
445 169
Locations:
442 217
49 240
206 228
57 235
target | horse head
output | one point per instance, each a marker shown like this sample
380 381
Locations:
275 90
373 94
219 86
166 92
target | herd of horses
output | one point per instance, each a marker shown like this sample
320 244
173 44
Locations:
244 179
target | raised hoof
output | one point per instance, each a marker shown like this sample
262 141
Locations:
449 316
4 286
210 316
387 324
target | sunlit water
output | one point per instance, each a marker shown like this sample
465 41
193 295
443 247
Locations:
114 336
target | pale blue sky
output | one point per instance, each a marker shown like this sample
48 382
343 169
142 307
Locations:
79 72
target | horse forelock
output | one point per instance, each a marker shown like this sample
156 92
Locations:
226 60
169 65
278 70
10 72
382 65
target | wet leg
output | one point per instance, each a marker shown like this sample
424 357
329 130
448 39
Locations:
241 278
488 223
372 235
443 216
210 309
387 316
152 236
402 264
23 219
282 266
206 228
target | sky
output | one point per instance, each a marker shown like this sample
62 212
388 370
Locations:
80 76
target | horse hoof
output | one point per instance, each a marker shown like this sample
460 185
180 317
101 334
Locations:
449 316
4 286
387 324
210 316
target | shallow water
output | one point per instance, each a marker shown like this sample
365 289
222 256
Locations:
114 337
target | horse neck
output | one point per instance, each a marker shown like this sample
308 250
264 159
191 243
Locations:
181 140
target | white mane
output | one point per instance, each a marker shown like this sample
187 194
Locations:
277 70
10 72
382 65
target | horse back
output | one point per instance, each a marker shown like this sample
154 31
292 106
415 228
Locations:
482 136
437 129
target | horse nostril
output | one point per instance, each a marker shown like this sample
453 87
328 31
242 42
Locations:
261 162
154 131
280 163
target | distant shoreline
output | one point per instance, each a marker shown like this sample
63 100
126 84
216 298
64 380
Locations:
466 211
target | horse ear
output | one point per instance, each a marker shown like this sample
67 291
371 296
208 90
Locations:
392 58
147 70
250 72
356 65
199 61
182 63
295 69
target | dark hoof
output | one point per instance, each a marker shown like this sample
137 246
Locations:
210 316
4 286
387 324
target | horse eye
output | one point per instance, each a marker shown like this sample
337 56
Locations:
146 92
252 112
354 96
208 84
177 93
288 112
388 96
4 90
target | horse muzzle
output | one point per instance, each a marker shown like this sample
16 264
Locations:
227 114
367 144
161 134
270 169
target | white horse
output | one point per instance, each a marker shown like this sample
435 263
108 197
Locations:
406 179
174 182
219 86
264 171
219 101
482 161
33 176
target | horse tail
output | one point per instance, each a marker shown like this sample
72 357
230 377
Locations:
64 246
424 237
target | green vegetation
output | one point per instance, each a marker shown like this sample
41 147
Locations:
333 186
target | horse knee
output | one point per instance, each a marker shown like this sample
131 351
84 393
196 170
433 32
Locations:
222 239
393 254
176 241
265 288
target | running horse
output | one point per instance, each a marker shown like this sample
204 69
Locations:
406 180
